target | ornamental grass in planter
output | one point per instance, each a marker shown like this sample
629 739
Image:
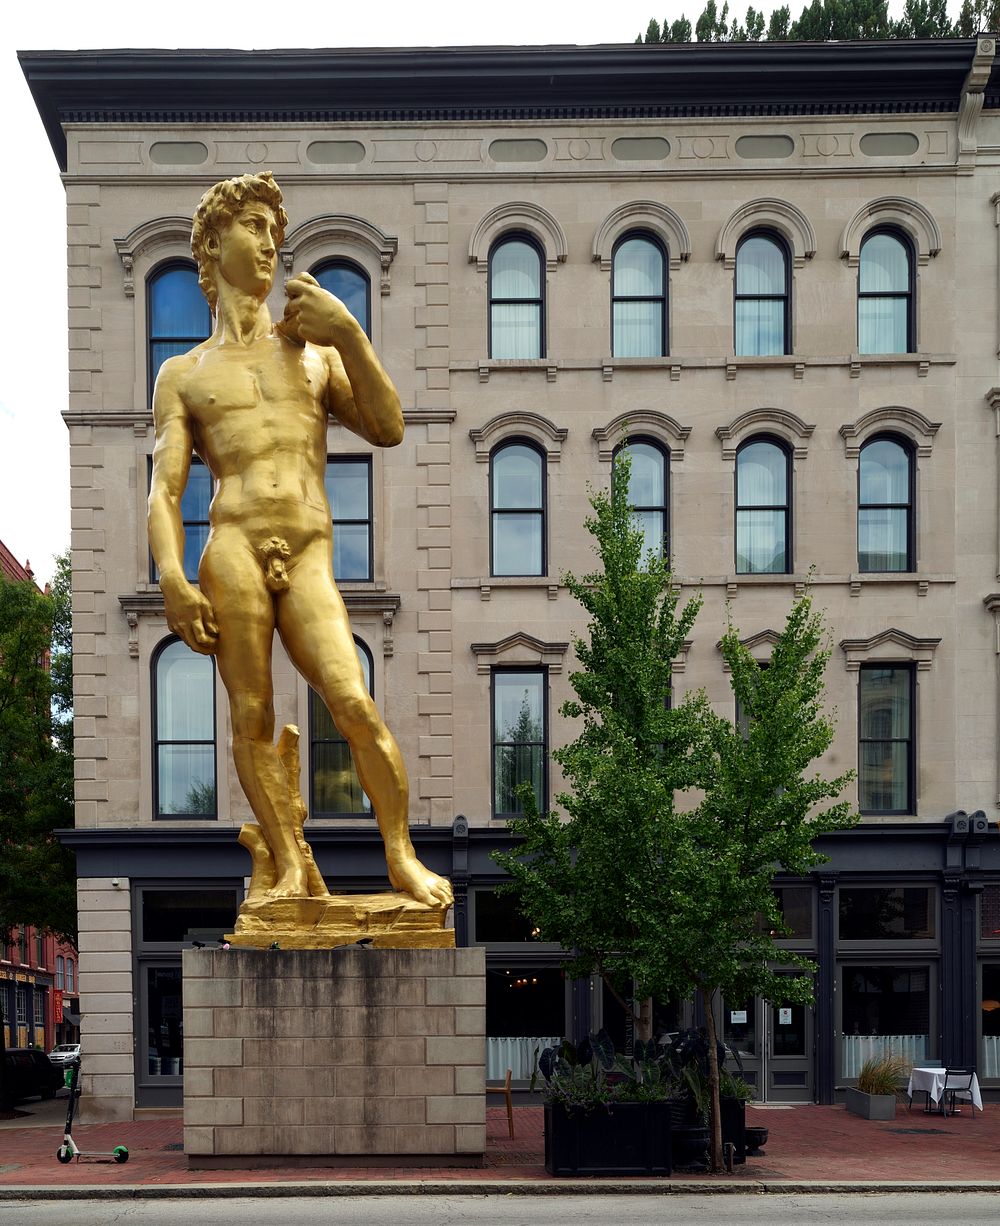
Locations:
878 1088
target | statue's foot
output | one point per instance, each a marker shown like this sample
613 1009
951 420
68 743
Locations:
291 884
409 876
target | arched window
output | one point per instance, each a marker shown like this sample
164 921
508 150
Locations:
70 975
516 299
517 510
348 282
60 972
648 491
638 298
763 480
178 317
183 732
762 296
885 294
334 785
885 507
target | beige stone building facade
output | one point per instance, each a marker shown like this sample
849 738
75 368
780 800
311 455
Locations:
778 265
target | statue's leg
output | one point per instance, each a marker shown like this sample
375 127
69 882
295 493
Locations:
231 577
313 625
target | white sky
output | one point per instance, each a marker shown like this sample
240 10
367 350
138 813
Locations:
34 460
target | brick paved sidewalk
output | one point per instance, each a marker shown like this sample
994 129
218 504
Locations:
806 1143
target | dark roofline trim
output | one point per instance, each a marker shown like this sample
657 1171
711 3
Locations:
497 84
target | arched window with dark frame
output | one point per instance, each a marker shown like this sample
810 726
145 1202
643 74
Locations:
885 294
517 510
335 790
763 506
763 296
177 314
638 297
517 298
885 506
648 490
351 284
183 732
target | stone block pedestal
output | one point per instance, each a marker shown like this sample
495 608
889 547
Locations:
343 1057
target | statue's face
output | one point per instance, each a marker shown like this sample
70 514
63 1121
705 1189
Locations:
248 249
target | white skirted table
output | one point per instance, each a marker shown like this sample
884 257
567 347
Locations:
932 1081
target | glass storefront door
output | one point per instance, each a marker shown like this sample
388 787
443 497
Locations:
774 1043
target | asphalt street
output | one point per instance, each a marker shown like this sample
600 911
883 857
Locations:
853 1209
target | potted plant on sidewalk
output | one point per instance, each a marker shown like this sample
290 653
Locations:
878 1088
606 1113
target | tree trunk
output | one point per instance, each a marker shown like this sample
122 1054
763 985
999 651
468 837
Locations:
644 1020
713 1082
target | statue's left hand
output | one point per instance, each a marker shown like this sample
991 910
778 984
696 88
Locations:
314 314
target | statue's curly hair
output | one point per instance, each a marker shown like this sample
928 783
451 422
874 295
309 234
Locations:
219 206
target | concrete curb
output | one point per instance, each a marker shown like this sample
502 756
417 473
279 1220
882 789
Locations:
478 1187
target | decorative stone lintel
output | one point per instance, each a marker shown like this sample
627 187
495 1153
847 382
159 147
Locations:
889 645
786 425
661 426
519 648
679 663
534 426
760 646
907 421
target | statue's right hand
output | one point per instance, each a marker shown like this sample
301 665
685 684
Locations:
190 615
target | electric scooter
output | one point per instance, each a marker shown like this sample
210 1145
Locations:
69 1149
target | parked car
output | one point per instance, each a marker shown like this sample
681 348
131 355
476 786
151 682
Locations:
64 1053
31 1073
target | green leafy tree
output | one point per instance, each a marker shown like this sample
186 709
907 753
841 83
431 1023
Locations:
678 31
923 19
975 16
587 882
711 26
634 888
763 806
779 24
37 877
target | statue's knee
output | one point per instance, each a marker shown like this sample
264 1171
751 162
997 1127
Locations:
357 717
253 719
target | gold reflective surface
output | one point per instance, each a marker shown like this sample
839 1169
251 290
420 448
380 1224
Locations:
254 401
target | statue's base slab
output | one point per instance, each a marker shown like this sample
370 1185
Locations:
386 921
336 1057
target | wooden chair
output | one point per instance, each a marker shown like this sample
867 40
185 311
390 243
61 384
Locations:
505 1091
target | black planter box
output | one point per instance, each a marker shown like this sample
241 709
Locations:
622 1139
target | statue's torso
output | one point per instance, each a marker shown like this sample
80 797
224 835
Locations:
259 416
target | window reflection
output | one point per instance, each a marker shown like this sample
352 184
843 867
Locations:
348 490
515 300
178 314
647 493
346 281
518 511
518 737
184 689
884 507
762 509
885 738
336 788
761 297
638 299
885 296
